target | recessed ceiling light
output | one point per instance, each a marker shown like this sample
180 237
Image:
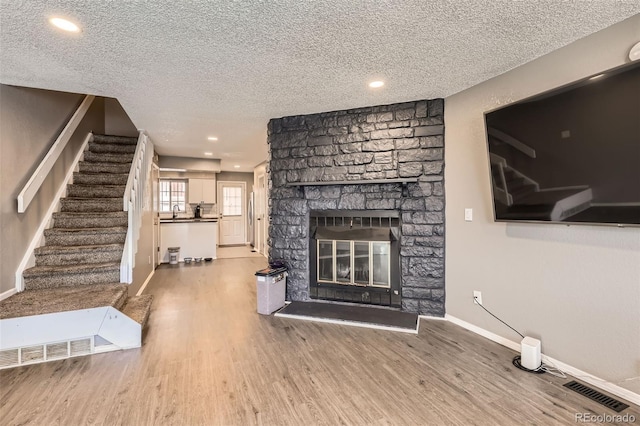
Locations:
236 167
208 153
595 77
212 138
65 25
376 84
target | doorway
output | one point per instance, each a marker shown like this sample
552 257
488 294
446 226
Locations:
232 213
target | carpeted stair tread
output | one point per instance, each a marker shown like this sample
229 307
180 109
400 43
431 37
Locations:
53 276
85 236
90 219
76 255
84 204
69 269
78 249
114 148
66 231
101 157
63 299
111 139
100 179
95 191
138 308
116 168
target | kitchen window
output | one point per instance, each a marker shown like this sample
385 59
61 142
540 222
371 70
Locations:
172 192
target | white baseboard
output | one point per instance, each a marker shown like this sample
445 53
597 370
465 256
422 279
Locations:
8 293
566 368
144 285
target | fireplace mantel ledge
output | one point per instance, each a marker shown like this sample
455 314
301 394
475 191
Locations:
403 181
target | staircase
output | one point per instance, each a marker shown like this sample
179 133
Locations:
76 276
522 198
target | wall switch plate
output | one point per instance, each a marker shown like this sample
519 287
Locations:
477 297
468 215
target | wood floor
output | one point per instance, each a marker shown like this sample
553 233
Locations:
209 359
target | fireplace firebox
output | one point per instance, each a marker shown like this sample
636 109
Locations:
355 256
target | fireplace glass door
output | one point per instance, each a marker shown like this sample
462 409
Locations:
352 262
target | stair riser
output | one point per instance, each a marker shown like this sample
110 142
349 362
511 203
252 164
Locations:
97 205
79 239
89 222
71 280
115 139
78 258
111 148
95 191
105 179
86 167
98 157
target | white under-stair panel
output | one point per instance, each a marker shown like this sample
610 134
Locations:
41 338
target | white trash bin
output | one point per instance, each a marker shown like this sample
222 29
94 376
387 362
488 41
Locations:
271 289
174 255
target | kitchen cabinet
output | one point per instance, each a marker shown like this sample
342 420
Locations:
202 190
195 238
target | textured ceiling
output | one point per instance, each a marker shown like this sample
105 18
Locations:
184 70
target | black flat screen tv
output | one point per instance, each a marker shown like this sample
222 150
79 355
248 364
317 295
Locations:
570 155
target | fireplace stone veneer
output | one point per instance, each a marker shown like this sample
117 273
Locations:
379 144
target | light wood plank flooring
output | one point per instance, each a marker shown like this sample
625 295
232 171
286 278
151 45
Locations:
209 359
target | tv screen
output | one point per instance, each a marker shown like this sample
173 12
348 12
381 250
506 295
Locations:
571 155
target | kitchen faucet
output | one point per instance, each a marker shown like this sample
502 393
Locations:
174 210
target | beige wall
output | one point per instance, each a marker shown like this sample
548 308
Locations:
577 288
116 120
188 163
30 121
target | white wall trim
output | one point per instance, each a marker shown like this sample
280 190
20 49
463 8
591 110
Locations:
28 259
8 293
428 317
144 285
573 371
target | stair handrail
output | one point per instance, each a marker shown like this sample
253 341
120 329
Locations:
133 203
510 140
502 194
34 183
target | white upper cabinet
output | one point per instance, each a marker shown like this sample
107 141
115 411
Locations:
202 190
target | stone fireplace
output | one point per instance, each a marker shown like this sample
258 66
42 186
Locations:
356 205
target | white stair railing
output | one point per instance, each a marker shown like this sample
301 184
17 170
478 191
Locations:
133 203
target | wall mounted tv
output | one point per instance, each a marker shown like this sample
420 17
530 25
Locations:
571 155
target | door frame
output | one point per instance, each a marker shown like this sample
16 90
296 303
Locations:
219 185
261 231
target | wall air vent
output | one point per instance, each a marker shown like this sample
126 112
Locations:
598 397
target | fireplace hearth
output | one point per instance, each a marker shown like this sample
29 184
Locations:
355 256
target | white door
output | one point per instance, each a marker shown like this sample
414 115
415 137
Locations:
260 215
232 210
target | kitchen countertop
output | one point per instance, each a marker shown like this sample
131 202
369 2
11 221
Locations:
189 220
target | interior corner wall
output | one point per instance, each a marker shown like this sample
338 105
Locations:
116 120
577 288
31 121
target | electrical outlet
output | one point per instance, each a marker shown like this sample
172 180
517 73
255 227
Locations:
468 215
149 260
477 297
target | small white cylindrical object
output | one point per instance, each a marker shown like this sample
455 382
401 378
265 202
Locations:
530 354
